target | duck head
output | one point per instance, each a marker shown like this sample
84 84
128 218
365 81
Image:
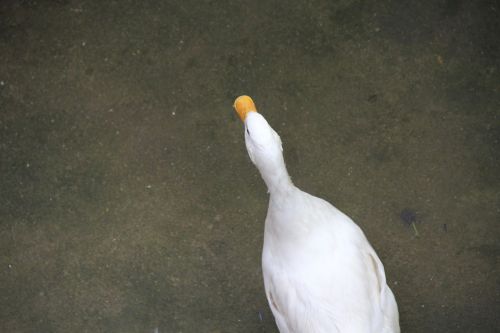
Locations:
263 144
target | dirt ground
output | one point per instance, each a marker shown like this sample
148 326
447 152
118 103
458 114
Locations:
128 202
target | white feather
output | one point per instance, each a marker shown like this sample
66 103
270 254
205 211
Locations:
321 274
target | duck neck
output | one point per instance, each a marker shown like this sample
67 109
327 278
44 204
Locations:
277 179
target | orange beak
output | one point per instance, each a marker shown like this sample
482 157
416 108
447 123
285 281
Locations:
243 105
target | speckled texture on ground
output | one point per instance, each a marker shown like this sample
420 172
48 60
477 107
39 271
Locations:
127 200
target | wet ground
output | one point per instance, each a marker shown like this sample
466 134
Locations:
128 202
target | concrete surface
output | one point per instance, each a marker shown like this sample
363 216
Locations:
128 202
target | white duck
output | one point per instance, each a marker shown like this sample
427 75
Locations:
321 274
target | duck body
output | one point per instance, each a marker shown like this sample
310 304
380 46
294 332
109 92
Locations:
321 274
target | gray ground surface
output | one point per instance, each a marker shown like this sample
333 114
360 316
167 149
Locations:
128 202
